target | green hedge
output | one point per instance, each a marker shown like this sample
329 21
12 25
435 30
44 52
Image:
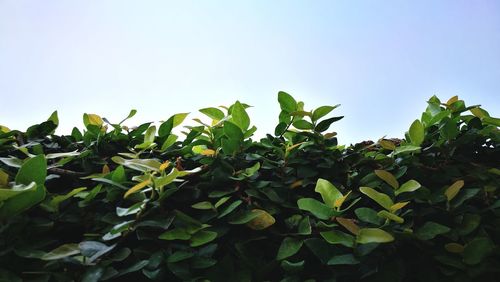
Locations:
132 204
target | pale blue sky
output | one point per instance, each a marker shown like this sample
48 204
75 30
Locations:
380 59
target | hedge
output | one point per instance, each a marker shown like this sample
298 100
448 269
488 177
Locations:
114 203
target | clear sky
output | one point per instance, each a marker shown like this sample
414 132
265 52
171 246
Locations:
380 59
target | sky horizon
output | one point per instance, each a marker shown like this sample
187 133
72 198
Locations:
380 61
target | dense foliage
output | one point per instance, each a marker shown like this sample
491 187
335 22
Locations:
117 203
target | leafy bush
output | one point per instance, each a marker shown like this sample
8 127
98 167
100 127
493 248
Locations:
116 203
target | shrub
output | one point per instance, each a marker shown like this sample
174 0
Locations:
117 203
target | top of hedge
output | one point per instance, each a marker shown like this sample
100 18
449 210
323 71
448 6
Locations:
114 203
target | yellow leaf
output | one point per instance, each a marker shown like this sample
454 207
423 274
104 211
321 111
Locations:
330 135
4 129
208 152
338 202
137 187
294 146
262 221
164 165
454 248
398 206
105 169
348 224
95 119
477 112
452 100
453 190
387 177
386 144
296 184
4 179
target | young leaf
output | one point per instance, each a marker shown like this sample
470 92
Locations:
390 216
380 198
240 116
416 133
213 113
137 188
453 190
315 207
329 193
322 111
387 177
373 235
287 102
303 124
408 186
33 170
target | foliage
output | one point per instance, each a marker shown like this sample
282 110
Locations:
114 203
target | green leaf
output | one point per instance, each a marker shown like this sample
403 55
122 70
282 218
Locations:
380 198
180 256
6 193
416 133
387 177
130 115
232 131
63 251
373 235
347 259
54 118
168 142
175 234
134 209
407 149
287 102
304 227
230 146
34 169
244 217
368 215
4 179
289 246
138 164
54 203
316 207
303 124
492 121
93 273
430 230
149 136
239 116
230 208
476 250
203 206
325 124
213 113
338 237
408 186
448 128
179 118
322 111
329 193
202 237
